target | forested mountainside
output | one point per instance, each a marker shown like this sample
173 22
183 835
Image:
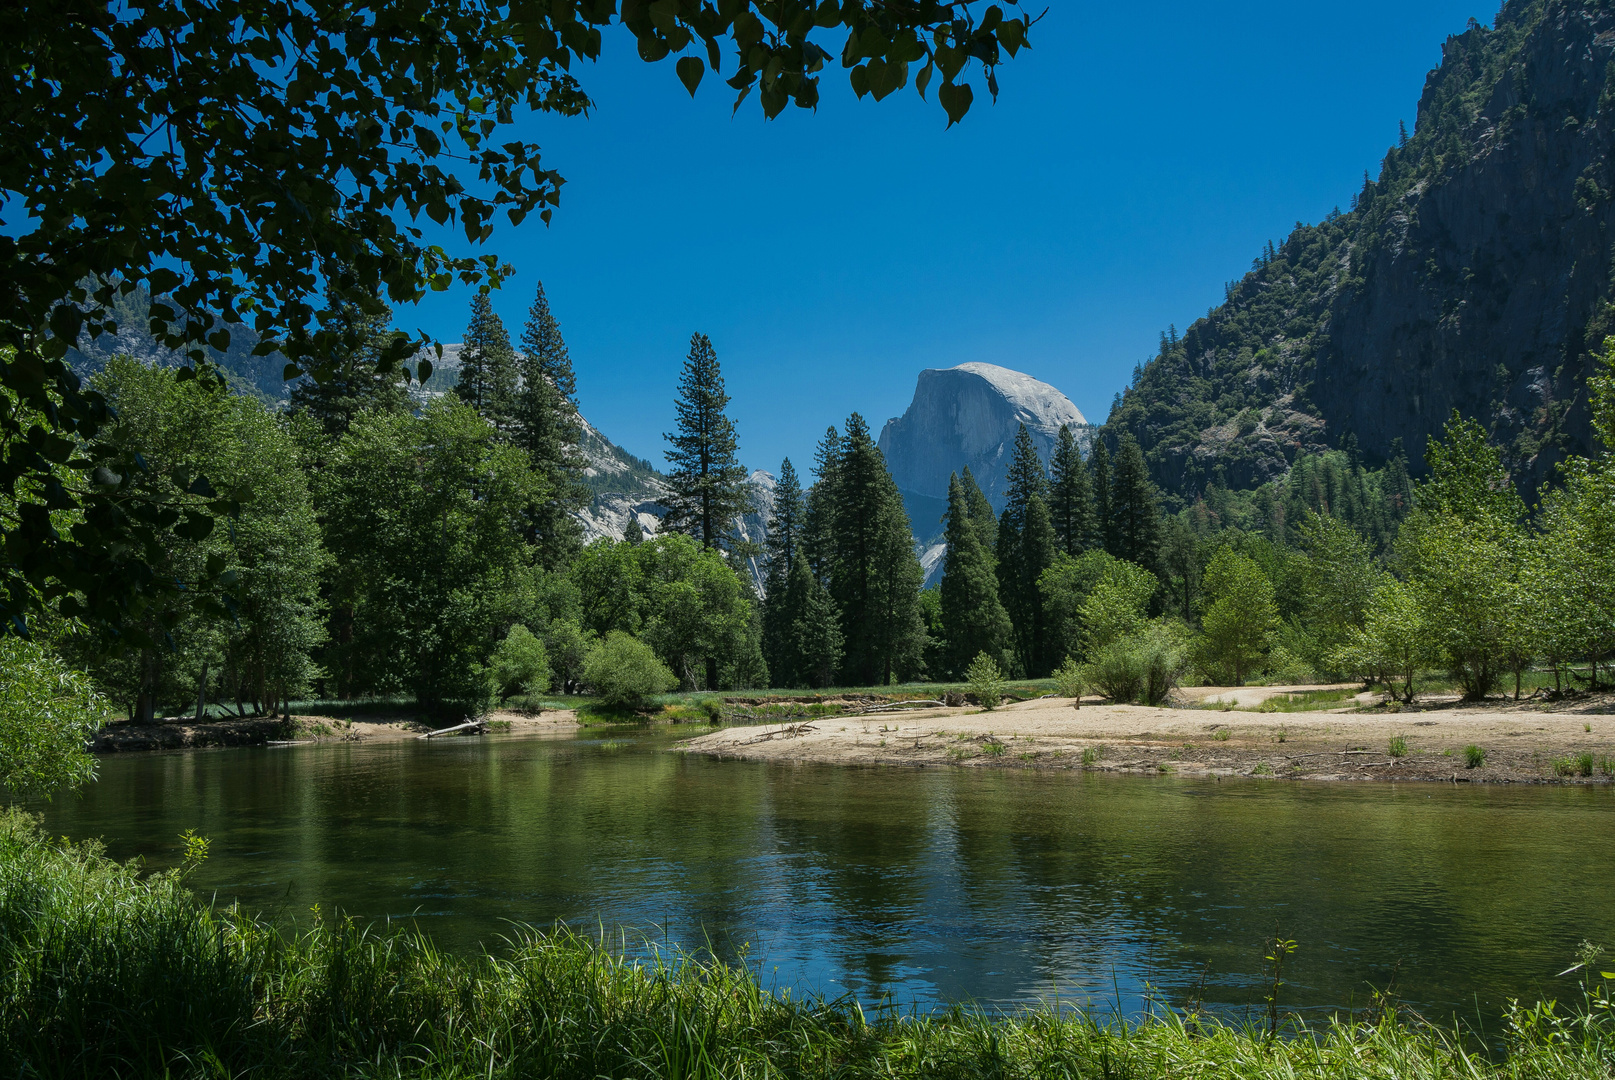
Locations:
1474 274
260 375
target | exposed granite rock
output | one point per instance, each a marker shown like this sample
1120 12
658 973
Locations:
967 416
1474 274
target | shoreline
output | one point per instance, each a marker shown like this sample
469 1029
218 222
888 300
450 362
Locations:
125 736
1524 742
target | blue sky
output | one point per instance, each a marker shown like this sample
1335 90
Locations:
1137 159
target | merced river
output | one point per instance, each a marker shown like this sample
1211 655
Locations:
923 887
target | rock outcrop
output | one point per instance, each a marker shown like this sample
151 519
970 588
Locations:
1473 274
968 416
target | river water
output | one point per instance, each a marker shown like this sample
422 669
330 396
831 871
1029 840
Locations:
928 886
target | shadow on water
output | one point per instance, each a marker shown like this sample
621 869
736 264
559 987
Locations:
933 886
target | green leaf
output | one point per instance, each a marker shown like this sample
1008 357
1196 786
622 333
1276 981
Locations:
194 527
859 78
923 79
955 98
1012 36
290 372
690 69
423 371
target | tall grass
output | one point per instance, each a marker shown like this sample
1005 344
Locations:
111 973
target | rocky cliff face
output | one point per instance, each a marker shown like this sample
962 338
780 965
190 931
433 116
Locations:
968 416
1474 274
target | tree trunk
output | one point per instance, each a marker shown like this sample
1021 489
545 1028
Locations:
712 673
145 707
201 695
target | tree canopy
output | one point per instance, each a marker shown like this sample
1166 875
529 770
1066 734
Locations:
235 160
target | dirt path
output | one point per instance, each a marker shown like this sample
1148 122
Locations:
259 731
1522 741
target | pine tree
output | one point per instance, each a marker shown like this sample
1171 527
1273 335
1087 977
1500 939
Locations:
782 549
546 424
1134 507
973 619
875 576
487 366
1071 507
818 522
815 630
981 511
707 481
1099 466
1026 548
633 532
785 524
350 380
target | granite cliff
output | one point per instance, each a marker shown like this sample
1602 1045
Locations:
967 416
1474 274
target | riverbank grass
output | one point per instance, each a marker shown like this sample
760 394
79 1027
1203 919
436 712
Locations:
111 972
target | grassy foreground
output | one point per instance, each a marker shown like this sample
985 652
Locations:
108 972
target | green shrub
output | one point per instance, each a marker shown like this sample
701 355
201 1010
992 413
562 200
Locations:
1474 756
1143 667
520 665
624 671
48 712
986 681
1584 763
1397 747
1068 681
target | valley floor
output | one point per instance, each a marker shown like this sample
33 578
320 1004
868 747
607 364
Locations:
1523 742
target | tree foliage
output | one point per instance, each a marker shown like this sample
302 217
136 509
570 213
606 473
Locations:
973 620
707 483
237 159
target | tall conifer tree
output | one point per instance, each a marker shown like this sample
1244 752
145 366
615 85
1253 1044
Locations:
1071 507
354 384
487 366
818 522
1026 548
973 619
814 640
782 548
707 481
875 575
981 511
1099 466
546 424
1135 510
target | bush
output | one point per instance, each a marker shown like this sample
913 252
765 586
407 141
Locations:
520 664
48 713
1068 680
1143 667
624 671
986 681
1474 756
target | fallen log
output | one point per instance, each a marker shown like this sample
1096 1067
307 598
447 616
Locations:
452 730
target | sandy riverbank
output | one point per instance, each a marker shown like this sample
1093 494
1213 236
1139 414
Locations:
1522 740
260 731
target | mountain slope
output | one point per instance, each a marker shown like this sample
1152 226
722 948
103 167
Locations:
1474 274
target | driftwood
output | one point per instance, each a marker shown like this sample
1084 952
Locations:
451 730
889 706
789 731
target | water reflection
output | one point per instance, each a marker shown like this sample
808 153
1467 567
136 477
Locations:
930 885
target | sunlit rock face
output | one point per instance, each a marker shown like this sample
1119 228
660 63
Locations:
967 416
